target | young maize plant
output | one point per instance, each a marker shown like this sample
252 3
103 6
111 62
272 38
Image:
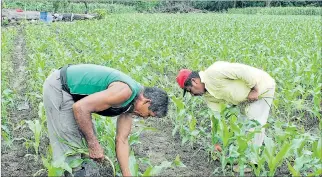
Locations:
274 157
152 170
36 127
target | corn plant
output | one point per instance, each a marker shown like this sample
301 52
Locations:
152 170
235 136
214 128
243 140
36 128
56 168
226 133
82 149
303 164
257 160
53 168
273 157
317 149
179 116
42 115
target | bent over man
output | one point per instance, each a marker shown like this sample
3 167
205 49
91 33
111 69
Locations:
235 84
72 93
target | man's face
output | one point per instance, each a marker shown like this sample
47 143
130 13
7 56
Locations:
142 108
197 88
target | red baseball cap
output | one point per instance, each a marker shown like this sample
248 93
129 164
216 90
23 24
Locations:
182 78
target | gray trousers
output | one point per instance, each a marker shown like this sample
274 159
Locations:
61 123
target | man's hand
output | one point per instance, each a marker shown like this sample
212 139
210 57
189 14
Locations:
218 147
96 152
253 94
128 173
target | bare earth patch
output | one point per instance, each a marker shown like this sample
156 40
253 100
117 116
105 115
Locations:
161 146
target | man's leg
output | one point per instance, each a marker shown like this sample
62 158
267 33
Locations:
61 123
259 110
60 118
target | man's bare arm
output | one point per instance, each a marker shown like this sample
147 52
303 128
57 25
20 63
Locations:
124 123
114 95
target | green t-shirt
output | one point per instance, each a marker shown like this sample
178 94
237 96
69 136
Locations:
86 79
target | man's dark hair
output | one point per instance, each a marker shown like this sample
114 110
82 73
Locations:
194 74
159 100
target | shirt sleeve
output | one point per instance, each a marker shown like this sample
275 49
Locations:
235 71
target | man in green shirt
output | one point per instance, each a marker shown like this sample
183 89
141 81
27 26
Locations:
72 93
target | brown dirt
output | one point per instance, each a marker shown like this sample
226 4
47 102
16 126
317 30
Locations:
161 146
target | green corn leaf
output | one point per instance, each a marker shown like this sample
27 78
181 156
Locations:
282 153
150 129
269 147
145 160
234 126
54 171
192 124
156 170
296 144
133 165
292 170
177 162
110 142
317 149
45 162
61 164
148 171
300 161
175 129
134 138
184 140
242 144
179 104
214 124
195 132
226 133
76 162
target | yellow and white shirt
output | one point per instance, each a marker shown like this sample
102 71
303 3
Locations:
230 83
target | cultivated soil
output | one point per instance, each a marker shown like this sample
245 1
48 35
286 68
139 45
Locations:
159 146
20 160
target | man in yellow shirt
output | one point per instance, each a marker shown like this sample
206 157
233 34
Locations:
232 83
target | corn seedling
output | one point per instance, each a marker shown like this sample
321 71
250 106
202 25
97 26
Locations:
274 157
36 128
152 170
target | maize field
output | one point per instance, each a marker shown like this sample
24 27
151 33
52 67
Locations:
152 48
